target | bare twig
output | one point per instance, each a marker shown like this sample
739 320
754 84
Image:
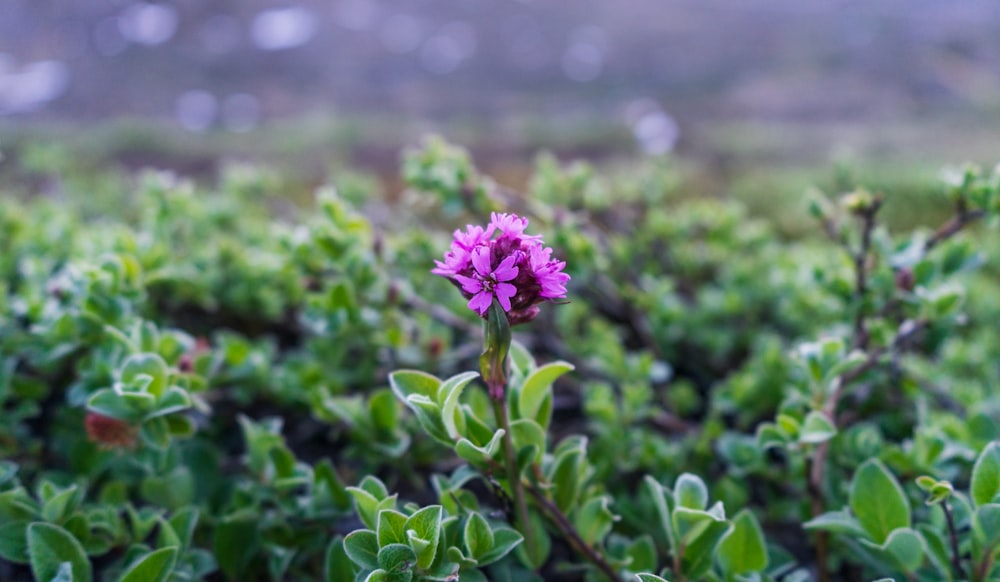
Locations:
963 217
861 335
956 557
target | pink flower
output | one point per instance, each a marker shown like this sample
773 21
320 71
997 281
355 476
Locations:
548 273
457 259
526 274
486 282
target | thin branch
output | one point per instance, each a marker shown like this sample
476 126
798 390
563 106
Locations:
861 335
566 527
956 557
963 217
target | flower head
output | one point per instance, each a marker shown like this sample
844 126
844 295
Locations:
514 268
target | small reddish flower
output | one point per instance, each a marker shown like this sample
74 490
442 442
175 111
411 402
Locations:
110 432
524 274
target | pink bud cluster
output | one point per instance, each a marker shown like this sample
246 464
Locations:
502 262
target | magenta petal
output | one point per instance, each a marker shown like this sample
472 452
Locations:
504 292
469 285
480 303
481 261
506 271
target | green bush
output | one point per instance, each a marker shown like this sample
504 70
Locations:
196 386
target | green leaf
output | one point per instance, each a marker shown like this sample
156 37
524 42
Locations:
878 501
425 525
236 541
167 536
907 547
155 432
405 383
337 566
173 400
396 558
14 541
837 522
153 567
521 361
49 546
391 527
663 509
937 550
535 398
698 552
538 554
986 525
478 536
384 411
328 481
690 492
566 475
742 549
184 521
148 364
594 519
478 455
986 475
173 490
58 508
505 539
368 505
650 578
448 395
362 548
107 402
771 435
429 415
817 428
528 433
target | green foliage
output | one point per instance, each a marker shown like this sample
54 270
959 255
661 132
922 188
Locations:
197 386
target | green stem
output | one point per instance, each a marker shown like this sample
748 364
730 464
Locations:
514 476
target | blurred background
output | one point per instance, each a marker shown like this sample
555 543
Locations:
731 88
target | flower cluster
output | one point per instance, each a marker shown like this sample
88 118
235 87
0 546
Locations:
502 262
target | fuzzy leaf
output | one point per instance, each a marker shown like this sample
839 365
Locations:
817 428
448 395
478 536
878 501
986 475
690 492
425 525
742 549
535 397
362 548
49 546
153 567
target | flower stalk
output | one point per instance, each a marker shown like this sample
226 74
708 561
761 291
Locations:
493 367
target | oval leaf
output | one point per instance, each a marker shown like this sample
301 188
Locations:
49 546
153 567
878 501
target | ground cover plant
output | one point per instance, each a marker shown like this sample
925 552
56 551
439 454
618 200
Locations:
603 378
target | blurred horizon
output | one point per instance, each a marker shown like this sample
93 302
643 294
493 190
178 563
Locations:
780 81
256 59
